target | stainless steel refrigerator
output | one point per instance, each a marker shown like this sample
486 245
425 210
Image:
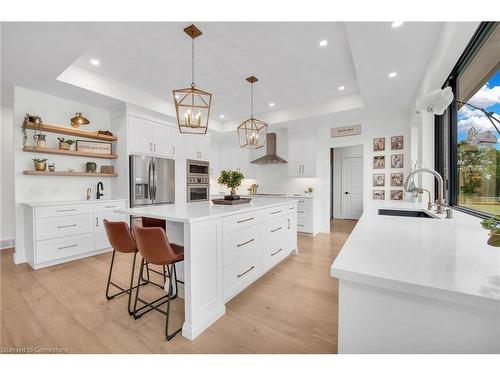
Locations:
152 180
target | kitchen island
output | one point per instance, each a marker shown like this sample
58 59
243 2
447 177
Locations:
226 248
418 285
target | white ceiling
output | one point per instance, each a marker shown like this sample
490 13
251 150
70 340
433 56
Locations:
293 70
291 67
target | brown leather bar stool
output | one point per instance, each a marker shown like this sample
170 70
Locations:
150 222
155 249
120 238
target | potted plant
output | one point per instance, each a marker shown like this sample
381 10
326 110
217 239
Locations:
232 179
309 190
493 225
40 164
65 144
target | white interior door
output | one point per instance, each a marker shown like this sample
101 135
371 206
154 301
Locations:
352 187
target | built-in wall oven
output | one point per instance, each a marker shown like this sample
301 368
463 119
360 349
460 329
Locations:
198 180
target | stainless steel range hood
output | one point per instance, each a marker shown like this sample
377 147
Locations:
270 157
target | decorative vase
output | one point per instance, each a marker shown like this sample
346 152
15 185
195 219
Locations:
64 146
40 166
40 140
494 239
90 167
52 167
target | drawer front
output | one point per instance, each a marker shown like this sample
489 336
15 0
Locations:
276 250
275 228
61 248
239 243
240 221
274 212
54 227
65 210
304 226
304 211
108 206
242 273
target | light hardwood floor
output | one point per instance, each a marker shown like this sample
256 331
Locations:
291 309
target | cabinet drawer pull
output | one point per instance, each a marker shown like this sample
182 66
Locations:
289 223
245 243
247 271
300 212
301 201
66 226
292 208
300 225
67 210
275 230
245 220
109 206
276 252
66 247
275 212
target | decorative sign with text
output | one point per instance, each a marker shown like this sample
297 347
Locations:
94 147
346 131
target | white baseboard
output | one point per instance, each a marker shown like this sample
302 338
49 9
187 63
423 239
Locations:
7 243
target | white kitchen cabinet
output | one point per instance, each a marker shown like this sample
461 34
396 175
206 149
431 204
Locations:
302 161
139 136
149 137
238 159
254 242
59 233
198 147
179 144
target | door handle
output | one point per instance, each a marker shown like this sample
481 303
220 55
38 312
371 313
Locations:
275 230
346 192
66 226
150 180
173 150
96 221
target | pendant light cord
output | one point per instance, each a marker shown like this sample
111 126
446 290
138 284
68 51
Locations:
251 100
192 63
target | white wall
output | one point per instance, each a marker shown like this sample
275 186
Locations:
7 226
372 126
338 154
56 111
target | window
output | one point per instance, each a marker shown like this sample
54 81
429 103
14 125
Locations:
467 142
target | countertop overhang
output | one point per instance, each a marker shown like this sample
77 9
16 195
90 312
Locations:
444 259
201 211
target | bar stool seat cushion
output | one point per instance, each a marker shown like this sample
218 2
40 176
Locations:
119 236
155 248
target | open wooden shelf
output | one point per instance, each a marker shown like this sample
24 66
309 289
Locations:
69 131
48 150
81 174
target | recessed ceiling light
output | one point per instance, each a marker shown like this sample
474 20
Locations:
392 74
396 24
341 88
95 62
271 104
222 116
323 43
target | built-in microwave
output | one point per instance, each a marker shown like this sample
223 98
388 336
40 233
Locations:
198 180
196 167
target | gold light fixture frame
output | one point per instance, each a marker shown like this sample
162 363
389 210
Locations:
252 132
192 105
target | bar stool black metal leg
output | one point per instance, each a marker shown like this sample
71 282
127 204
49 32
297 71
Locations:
108 297
172 335
130 312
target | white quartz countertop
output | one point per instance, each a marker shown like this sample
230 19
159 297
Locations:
200 211
57 203
445 259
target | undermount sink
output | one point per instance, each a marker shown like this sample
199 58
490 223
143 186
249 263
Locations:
407 213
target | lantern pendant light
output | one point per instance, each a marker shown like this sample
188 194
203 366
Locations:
252 132
192 105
